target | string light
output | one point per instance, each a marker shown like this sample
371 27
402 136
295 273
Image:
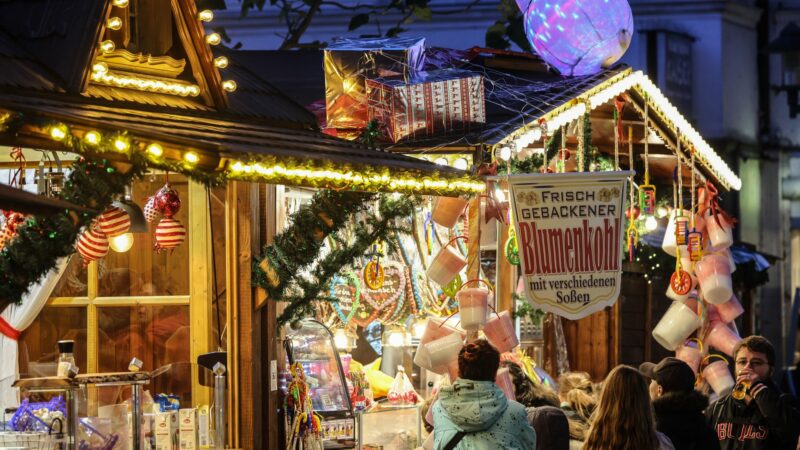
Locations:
206 15
355 179
114 23
229 85
441 161
650 223
121 243
213 38
120 3
461 164
107 46
121 144
155 150
102 76
505 153
191 158
58 132
92 138
221 62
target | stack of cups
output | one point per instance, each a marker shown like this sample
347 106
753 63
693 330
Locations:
730 310
435 331
439 355
721 337
473 307
669 244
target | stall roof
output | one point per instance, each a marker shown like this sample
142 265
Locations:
48 51
519 91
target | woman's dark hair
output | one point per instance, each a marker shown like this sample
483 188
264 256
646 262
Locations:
530 394
478 361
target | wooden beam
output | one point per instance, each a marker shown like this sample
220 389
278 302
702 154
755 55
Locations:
200 302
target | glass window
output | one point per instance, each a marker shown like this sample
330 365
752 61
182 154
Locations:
73 281
142 271
38 351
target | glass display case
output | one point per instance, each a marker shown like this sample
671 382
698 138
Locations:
311 344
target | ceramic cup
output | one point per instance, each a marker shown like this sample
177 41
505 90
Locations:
678 323
500 332
436 328
446 265
730 310
720 235
669 244
714 277
719 377
447 210
690 354
473 307
721 337
505 383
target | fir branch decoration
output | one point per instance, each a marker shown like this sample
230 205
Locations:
41 240
300 245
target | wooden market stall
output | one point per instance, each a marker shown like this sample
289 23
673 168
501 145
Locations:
134 91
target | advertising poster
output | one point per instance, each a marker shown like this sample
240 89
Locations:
570 229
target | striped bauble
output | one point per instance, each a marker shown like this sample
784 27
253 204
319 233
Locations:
92 245
151 213
169 234
114 221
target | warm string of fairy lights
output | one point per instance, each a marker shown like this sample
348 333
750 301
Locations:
102 74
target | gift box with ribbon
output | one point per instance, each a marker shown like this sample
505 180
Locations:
428 103
349 62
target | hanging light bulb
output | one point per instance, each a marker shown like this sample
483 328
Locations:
58 132
206 15
505 153
221 62
441 161
418 327
100 67
120 3
213 38
461 164
191 157
396 339
229 85
650 223
92 138
114 23
121 243
155 150
121 144
662 211
107 46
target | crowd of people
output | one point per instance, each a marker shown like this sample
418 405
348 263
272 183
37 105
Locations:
652 407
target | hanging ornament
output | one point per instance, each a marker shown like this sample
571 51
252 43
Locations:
114 221
681 220
429 231
373 271
647 192
167 201
151 213
578 37
169 234
9 230
92 245
680 281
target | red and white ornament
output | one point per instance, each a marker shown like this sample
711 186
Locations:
169 234
114 221
167 201
9 230
92 245
151 213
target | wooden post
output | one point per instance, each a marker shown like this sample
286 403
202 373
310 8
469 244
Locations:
474 245
200 302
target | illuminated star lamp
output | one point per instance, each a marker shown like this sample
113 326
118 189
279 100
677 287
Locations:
578 37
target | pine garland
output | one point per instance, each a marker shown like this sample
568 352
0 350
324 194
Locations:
300 244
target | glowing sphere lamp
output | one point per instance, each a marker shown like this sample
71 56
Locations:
578 37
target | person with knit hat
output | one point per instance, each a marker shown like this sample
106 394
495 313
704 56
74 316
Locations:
678 406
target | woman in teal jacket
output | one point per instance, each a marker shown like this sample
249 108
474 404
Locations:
473 413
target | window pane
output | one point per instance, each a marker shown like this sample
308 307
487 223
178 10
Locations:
38 351
73 282
142 271
157 335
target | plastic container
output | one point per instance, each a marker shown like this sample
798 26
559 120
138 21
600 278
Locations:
730 310
436 328
500 332
719 377
447 210
505 383
678 323
439 354
473 307
691 352
714 277
446 265
721 337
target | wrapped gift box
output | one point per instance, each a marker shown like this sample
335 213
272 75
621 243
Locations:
427 103
349 62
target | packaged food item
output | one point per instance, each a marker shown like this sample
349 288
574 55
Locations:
167 430
402 391
187 423
204 436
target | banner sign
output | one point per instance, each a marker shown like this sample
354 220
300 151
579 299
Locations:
570 229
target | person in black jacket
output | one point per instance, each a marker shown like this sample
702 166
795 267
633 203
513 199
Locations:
764 419
678 407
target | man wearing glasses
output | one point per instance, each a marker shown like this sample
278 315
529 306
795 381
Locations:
761 418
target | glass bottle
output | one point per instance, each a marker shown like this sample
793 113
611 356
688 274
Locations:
66 358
